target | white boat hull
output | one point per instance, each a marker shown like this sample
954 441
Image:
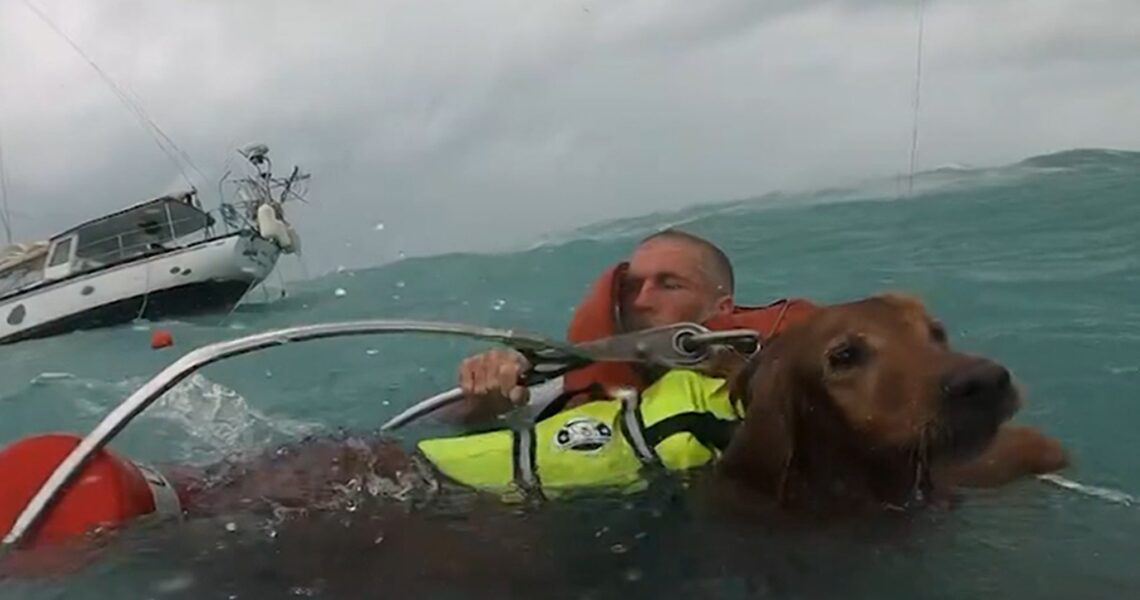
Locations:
210 276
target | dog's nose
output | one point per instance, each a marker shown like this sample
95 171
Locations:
979 381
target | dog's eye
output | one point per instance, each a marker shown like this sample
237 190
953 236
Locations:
846 354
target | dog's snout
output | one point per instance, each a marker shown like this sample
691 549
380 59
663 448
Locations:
979 380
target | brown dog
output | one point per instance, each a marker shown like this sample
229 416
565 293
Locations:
866 405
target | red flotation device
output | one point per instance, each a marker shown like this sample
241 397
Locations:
107 492
597 316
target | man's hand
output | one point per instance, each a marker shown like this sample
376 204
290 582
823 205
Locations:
491 383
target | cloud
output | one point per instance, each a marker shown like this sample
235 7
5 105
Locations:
474 126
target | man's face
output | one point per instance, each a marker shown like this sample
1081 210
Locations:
667 283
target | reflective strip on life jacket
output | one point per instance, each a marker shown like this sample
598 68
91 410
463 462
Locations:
685 420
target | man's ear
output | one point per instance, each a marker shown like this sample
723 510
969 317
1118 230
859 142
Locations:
724 305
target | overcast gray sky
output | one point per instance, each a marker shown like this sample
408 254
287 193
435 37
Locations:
474 124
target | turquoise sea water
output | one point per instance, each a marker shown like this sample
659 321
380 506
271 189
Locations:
1036 264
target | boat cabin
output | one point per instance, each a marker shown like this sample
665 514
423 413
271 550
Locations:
150 227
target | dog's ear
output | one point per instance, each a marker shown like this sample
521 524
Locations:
741 381
762 449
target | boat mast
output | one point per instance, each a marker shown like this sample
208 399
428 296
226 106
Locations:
5 214
920 8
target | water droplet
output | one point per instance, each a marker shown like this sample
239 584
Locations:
231 526
340 268
379 227
372 352
619 549
400 284
633 575
340 292
395 296
379 538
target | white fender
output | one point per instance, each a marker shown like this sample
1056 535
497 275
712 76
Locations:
294 240
271 227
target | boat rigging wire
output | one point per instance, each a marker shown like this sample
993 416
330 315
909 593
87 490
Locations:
920 7
174 152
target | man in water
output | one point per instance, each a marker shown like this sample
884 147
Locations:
672 277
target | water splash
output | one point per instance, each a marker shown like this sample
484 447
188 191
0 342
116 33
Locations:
196 421
1102 493
219 421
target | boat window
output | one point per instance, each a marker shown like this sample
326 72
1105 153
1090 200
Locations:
153 227
16 279
97 252
61 254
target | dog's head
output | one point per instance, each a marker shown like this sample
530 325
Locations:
866 393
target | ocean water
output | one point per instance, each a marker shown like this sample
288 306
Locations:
1036 264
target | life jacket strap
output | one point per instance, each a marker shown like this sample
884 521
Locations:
525 473
709 430
633 427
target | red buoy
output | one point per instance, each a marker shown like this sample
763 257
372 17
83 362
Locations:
107 492
161 338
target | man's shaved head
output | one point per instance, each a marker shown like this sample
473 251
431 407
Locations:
715 262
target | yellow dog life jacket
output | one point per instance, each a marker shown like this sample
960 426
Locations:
682 421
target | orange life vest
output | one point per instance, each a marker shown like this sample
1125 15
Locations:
597 317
